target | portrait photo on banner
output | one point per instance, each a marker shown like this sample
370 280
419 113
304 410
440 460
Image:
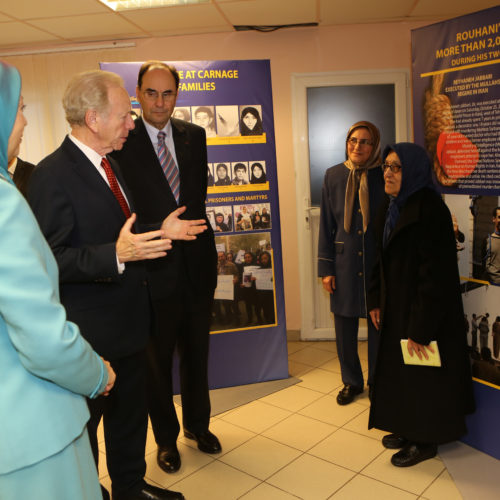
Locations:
251 120
222 174
227 120
182 113
204 117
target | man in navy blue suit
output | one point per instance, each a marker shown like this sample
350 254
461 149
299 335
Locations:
183 282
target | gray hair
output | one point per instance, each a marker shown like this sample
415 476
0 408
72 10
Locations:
88 90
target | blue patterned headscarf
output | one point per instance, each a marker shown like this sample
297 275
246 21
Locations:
416 175
10 92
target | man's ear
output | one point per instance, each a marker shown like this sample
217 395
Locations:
91 119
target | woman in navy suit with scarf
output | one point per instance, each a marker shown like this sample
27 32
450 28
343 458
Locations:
350 197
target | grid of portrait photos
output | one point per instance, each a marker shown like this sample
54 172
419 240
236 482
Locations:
224 121
245 293
239 173
247 217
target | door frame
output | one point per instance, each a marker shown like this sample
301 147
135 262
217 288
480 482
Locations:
300 83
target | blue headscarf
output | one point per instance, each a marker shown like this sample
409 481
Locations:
416 174
10 92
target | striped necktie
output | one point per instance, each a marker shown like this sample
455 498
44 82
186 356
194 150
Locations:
168 165
115 188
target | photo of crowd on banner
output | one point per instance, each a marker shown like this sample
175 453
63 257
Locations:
224 121
240 173
252 217
245 293
221 218
476 222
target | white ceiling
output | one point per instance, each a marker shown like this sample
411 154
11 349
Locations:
34 23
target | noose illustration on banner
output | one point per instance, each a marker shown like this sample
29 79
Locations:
453 155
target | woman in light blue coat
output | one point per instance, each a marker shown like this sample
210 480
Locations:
46 367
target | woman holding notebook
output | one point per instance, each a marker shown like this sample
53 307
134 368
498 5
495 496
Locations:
415 296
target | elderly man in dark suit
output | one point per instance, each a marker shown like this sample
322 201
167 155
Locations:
83 207
164 163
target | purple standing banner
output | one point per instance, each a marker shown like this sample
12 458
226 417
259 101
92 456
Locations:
232 101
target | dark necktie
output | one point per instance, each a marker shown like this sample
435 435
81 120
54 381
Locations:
168 165
113 184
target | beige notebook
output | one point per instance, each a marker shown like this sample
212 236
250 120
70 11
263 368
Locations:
434 359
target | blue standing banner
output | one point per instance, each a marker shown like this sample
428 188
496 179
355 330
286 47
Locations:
456 97
232 101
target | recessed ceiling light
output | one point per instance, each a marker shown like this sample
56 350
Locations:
147 4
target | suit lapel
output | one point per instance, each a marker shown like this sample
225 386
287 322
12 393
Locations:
88 173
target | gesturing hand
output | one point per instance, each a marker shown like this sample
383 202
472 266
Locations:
179 229
130 246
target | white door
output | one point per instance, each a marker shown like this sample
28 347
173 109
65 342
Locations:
317 321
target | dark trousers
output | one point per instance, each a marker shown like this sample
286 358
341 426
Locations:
125 420
346 334
182 321
474 339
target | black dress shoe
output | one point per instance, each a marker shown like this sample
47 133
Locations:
207 442
148 492
413 454
168 458
394 442
347 394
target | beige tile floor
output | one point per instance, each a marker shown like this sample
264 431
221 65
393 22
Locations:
298 443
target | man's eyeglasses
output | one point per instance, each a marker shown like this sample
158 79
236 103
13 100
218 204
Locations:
394 167
362 142
152 95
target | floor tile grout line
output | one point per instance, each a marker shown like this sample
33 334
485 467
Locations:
435 479
390 484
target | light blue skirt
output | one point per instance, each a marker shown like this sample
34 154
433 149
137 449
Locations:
67 475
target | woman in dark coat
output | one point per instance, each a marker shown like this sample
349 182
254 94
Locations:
352 192
415 295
